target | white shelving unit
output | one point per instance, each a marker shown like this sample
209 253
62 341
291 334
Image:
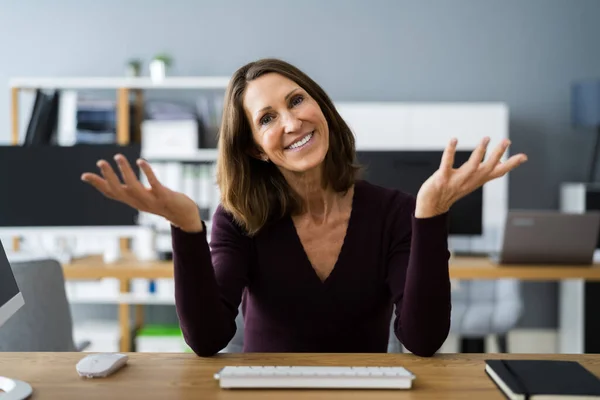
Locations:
125 88
171 82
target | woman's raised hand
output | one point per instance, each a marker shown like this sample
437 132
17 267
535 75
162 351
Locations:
448 184
176 207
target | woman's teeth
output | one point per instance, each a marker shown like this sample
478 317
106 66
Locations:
301 142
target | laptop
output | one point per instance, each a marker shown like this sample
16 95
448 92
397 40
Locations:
549 237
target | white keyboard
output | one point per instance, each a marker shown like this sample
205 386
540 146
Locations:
315 377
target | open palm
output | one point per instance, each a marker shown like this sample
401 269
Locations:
448 184
157 199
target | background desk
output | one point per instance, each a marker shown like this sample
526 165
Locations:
580 330
460 268
186 376
579 298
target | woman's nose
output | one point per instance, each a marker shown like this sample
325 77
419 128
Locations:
291 123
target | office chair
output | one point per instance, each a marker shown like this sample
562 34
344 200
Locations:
44 323
236 344
485 307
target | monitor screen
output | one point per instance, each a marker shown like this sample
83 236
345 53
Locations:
42 186
592 203
10 296
407 170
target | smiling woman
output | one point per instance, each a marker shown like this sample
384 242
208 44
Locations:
316 257
274 146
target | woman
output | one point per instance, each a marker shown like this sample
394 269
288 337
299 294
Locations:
316 257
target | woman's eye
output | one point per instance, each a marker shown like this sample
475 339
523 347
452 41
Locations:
297 100
265 120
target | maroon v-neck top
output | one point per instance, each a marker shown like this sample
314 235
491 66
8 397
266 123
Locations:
388 257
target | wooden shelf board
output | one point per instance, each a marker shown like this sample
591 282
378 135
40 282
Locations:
174 82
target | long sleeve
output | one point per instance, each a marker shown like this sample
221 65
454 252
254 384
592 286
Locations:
419 280
209 281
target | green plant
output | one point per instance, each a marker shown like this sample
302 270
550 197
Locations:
165 58
135 64
135 67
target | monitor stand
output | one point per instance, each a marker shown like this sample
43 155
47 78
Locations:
14 389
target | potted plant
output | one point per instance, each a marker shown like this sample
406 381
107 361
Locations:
159 65
134 67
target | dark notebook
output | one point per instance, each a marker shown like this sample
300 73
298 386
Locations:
543 379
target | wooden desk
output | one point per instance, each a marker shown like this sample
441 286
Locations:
484 268
186 376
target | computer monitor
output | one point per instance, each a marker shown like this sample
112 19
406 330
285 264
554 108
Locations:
42 187
11 300
407 170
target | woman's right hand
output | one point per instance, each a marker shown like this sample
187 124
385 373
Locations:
177 208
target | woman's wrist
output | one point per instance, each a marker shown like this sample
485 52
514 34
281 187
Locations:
423 212
192 224
193 228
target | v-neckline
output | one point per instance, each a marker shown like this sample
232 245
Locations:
340 255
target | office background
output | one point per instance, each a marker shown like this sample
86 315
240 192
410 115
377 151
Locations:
523 53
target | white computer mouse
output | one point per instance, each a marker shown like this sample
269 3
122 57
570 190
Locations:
100 365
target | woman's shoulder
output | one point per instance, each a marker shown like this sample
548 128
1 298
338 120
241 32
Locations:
378 207
224 219
383 198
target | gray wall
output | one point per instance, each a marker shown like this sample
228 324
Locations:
522 52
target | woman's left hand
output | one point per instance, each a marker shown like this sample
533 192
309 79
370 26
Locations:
447 185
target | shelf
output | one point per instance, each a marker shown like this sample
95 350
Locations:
199 155
128 231
124 298
128 267
175 82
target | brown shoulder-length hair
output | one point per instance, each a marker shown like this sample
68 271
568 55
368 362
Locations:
254 191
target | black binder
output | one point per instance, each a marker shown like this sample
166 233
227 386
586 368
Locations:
547 379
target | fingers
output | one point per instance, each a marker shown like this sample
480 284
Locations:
503 168
496 156
132 191
113 181
477 155
152 180
98 183
129 177
447 161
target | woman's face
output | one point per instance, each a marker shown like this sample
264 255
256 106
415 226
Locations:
287 124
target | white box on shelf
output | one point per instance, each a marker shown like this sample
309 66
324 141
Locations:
164 242
88 288
140 286
168 137
70 289
165 287
104 335
160 344
144 246
110 286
